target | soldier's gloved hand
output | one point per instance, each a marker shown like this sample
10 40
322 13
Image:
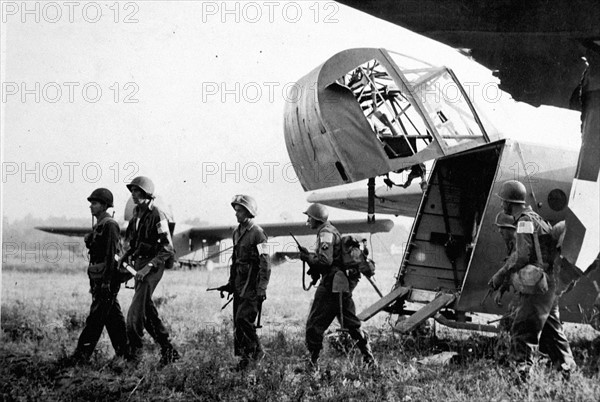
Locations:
141 274
261 296
497 280
225 288
314 274
498 296
304 254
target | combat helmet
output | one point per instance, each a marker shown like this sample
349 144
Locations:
103 195
513 191
318 212
247 202
144 183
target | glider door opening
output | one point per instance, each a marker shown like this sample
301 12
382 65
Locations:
448 221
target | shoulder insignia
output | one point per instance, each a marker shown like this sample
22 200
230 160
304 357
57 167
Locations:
263 248
324 246
162 228
525 227
326 237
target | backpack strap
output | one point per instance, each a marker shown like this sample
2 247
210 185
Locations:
107 218
538 250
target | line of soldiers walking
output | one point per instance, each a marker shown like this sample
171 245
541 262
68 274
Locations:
532 266
149 250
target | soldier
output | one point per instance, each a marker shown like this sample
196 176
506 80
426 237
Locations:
248 279
536 320
150 252
327 261
501 280
103 244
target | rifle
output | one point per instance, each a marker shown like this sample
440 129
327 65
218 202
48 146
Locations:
222 294
314 279
374 286
297 242
129 269
219 289
489 292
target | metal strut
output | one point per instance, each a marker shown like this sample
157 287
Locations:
371 195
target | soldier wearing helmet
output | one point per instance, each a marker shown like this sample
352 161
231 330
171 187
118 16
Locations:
536 320
248 279
507 229
326 261
150 252
500 282
105 311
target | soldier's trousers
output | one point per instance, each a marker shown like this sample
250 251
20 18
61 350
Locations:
143 314
105 311
245 339
537 323
325 307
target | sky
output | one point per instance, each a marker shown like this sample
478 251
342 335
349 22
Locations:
190 94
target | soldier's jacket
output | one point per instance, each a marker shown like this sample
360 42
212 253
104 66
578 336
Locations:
529 223
327 257
149 238
510 247
103 244
250 269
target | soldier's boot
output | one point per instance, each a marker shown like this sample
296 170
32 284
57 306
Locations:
243 363
134 356
78 357
566 369
368 357
523 370
168 355
312 363
258 354
122 351
365 348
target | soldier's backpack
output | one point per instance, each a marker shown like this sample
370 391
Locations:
354 260
532 278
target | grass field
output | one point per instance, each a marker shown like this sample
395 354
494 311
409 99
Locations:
43 314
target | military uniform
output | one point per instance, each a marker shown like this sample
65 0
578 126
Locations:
149 243
537 320
504 285
327 261
105 310
249 276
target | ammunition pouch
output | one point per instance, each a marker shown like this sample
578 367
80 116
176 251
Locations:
144 250
123 275
352 273
530 280
96 271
